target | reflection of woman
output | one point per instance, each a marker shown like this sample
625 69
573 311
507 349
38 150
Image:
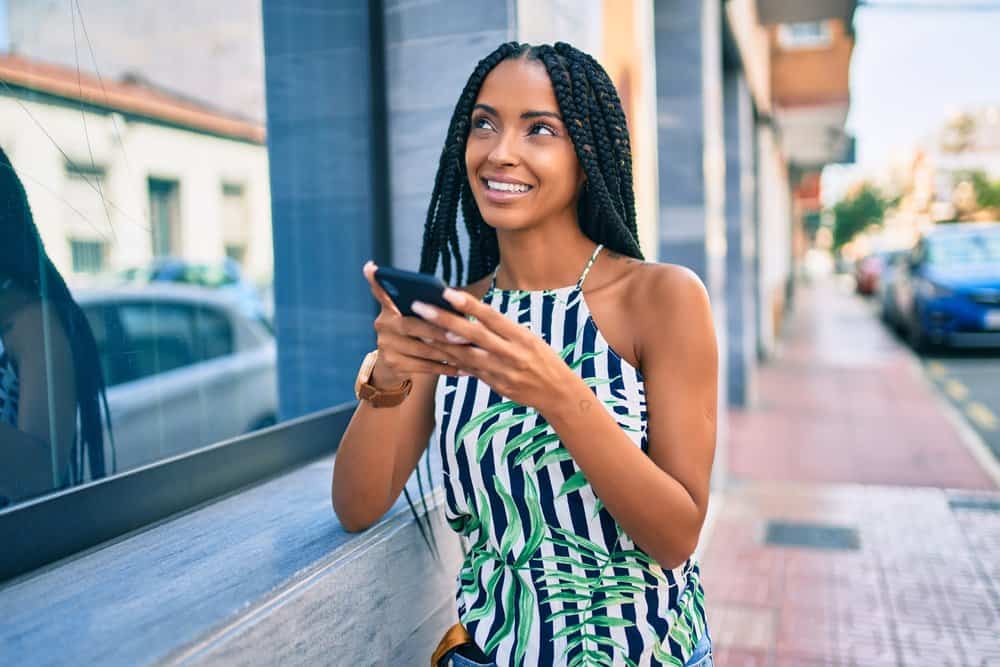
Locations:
577 433
51 385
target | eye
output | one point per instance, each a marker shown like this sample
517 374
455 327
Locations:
544 127
482 119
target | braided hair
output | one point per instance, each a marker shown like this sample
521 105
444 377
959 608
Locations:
593 114
25 264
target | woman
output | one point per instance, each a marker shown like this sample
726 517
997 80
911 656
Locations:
574 404
51 385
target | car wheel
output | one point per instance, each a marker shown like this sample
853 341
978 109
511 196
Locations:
917 338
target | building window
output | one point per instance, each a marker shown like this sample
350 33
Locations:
88 256
807 35
235 221
164 216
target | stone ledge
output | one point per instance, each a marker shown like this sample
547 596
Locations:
267 574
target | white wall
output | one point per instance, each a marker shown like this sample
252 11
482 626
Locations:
199 162
775 232
577 22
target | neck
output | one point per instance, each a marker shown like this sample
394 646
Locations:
542 257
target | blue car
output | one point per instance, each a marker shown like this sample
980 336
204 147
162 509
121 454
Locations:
948 289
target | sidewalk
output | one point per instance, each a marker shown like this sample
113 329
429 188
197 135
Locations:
859 528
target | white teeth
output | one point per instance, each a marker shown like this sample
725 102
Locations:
507 187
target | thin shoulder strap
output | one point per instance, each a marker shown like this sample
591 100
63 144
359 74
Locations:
579 283
586 269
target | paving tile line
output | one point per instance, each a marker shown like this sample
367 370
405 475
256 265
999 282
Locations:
971 440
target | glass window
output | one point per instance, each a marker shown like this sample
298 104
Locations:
141 228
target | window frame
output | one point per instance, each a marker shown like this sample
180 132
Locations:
68 523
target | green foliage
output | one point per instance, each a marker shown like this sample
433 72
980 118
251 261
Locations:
854 214
987 191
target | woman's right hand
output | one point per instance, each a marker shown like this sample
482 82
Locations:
406 345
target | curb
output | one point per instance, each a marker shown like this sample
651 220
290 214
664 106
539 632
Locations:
973 442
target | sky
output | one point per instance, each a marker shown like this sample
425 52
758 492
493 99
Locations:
3 25
911 68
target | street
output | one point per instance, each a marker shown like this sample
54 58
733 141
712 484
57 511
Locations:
854 488
970 380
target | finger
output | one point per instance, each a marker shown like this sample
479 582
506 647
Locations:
380 295
413 347
418 327
409 365
494 320
474 332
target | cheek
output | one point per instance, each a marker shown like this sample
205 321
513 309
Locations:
558 171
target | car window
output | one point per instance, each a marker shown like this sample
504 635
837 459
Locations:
213 334
159 337
965 250
97 317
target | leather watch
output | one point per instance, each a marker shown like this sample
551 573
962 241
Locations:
364 390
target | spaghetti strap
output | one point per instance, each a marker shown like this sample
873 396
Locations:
579 282
586 269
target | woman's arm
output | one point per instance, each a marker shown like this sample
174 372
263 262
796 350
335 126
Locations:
378 452
660 500
46 416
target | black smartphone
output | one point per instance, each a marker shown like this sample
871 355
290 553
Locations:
405 287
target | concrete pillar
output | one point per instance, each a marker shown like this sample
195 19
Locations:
320 142
430 51
740 240
688 36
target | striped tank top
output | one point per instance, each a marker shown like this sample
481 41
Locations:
549 577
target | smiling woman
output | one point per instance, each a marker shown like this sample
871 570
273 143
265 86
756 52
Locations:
576 425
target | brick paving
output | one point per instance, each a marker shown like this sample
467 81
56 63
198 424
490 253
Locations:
847 433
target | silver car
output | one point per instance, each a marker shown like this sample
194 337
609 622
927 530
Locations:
185 367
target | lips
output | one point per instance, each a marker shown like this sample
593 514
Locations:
501 189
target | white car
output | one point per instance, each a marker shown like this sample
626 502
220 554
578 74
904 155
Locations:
185 367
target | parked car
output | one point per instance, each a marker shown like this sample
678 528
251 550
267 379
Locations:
886 292
948 290
225 276
185 367
866 273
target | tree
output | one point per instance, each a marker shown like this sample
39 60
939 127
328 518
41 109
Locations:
987 191
854 213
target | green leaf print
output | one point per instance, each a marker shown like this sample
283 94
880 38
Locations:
526 616
491 587
483 442
577 481
538 444
513 530
537 529
477 420
508 620
522 438
553 456
583 357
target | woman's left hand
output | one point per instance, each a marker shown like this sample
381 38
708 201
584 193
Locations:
511 359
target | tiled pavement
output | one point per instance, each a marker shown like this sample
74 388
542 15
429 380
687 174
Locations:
848 434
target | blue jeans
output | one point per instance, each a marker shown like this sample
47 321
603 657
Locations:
702 657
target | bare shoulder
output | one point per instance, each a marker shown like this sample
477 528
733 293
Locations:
668 300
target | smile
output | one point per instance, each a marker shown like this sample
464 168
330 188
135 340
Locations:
507 187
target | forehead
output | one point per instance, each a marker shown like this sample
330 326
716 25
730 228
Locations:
518 85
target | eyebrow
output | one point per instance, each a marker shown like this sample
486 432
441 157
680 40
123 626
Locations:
526 114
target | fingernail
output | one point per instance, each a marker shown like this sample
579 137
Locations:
455 297
455 338
463 373
423 310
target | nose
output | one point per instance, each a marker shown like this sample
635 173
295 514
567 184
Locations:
504 150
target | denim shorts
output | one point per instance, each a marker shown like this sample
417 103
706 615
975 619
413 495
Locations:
702 657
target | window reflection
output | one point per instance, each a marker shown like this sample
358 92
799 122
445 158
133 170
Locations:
146 172
51 380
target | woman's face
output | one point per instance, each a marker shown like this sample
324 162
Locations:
521 162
